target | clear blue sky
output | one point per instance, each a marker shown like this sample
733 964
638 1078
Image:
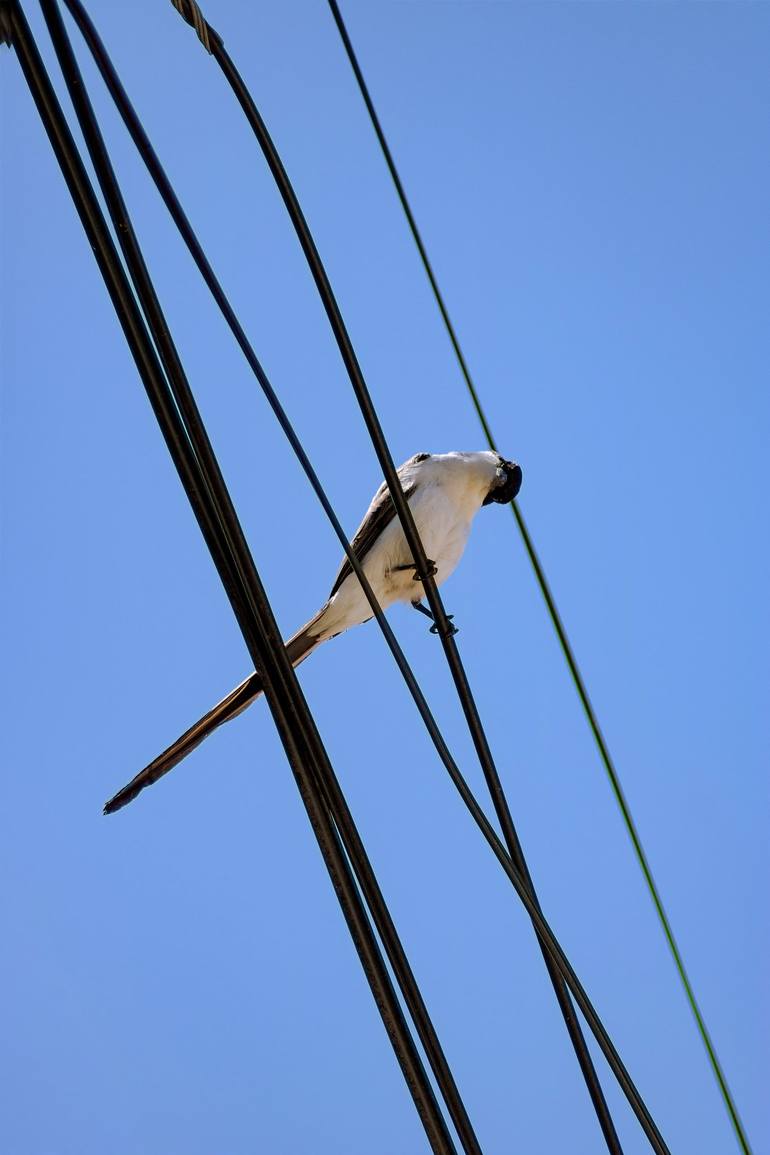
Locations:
593 182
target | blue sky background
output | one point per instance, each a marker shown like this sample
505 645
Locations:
592 181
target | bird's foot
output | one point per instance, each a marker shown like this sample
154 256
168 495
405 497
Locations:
434 629
421 609
431 571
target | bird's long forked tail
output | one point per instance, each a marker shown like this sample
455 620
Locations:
297 649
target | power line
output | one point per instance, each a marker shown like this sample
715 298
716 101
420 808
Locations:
329 787
158 175
199 472
550 602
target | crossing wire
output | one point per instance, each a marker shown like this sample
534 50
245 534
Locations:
158 175
553 612
199 471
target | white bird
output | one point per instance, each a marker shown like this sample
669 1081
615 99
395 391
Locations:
445 491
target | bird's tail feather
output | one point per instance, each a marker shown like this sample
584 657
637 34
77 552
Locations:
297 649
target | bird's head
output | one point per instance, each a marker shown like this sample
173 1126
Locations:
506 484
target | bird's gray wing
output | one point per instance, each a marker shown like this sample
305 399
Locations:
379 515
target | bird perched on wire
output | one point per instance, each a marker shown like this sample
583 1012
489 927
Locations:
445 491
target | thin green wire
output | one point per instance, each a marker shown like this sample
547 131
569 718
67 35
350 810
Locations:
558 625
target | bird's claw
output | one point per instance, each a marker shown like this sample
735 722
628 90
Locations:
431 571
434 629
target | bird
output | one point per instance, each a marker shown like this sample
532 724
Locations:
445 491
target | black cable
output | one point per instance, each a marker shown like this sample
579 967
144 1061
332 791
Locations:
444 627
553 612
150 159
184 399
298 734
175 372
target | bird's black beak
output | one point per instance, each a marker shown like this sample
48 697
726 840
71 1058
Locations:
508 486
